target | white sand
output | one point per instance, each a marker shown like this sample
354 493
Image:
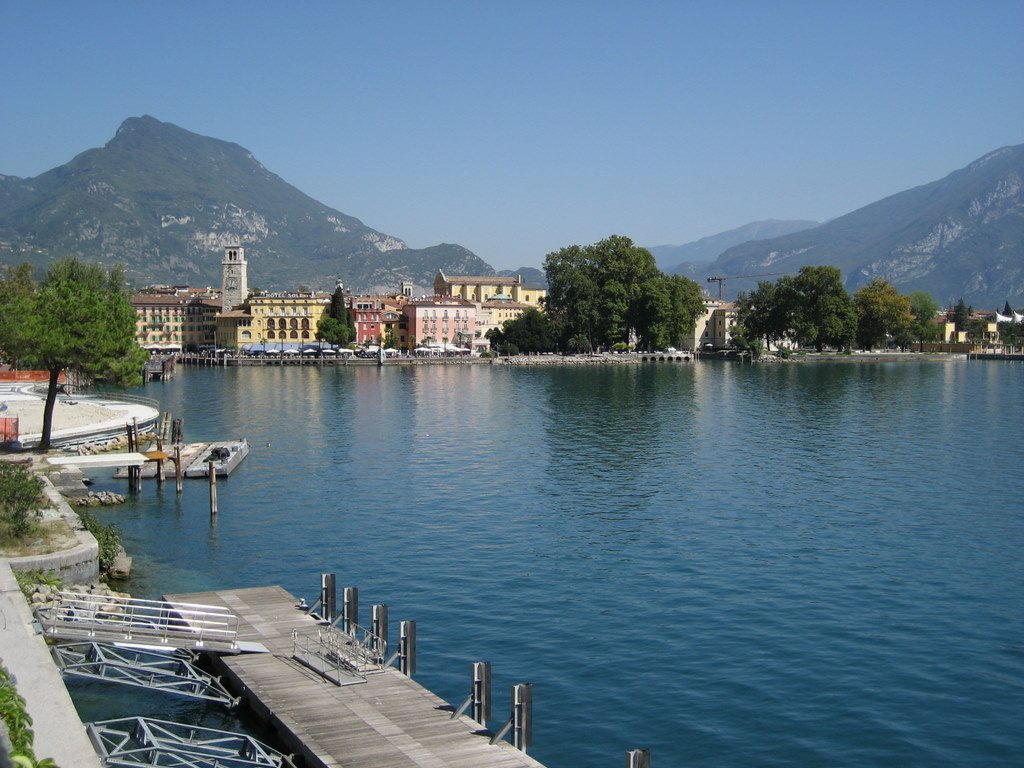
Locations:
65 415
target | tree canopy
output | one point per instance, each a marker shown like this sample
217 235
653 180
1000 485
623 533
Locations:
882 311
79 318
612 292
336 324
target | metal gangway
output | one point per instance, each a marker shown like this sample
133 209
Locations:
172 671
343 657
149 623
142 741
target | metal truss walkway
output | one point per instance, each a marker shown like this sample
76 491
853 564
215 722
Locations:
140 741
148 623
167 671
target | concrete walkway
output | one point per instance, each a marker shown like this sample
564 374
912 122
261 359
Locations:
59 732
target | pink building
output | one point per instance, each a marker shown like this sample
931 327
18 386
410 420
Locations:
441 320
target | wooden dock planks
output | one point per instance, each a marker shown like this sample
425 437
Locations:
391 721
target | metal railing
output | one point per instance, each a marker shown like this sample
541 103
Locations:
144 741
123 397
340 656
176 625
168 671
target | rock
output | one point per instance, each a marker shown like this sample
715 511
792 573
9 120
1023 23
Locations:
122 566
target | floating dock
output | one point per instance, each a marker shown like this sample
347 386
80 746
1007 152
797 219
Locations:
388 721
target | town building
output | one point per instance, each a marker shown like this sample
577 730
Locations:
375 315
479 289
234 276
287 319
496 312
445 320
175 318
713 325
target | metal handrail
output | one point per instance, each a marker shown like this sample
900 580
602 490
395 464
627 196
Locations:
124 397
78 614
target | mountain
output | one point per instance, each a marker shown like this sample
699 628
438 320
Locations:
962 235
695 256
530 275
164 202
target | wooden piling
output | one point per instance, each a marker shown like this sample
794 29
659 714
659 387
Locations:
177 469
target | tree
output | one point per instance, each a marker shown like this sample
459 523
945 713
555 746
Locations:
78 319
531 332
823 313
881 312
336 324
1007 310
767 312
611 290
924 310
961 315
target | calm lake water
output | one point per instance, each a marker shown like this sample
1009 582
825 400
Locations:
787 565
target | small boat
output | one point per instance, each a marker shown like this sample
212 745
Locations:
224 455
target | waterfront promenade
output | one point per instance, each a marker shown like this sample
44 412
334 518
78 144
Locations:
59 733
390 721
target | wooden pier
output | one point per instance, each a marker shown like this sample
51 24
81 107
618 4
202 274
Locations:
389 721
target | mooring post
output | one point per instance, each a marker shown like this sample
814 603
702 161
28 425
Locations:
638 758
213 490
159 472
482 692
520 720
138 471
407 648
177 469
328 596
350 606
522 715
379 627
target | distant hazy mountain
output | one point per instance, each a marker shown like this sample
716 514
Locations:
695 256
164 202
962 235
530 275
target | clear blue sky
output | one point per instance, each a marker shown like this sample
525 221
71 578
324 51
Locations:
516 128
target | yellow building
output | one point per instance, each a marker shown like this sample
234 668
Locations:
288 319
713 326
496 312
484 288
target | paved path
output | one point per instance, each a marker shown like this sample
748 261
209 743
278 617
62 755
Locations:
59 732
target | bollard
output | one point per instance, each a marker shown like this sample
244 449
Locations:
522 715
177 469
328 596
213 491
407 648
379 628
482 692
350 605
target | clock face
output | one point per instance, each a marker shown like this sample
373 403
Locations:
232 282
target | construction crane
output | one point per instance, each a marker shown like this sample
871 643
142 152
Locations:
720 279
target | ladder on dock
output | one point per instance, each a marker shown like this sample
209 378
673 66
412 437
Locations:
142 741
167 671
148 623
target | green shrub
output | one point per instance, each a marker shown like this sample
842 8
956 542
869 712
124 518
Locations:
20 497
27 580
108 537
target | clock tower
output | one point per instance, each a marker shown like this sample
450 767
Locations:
235 286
